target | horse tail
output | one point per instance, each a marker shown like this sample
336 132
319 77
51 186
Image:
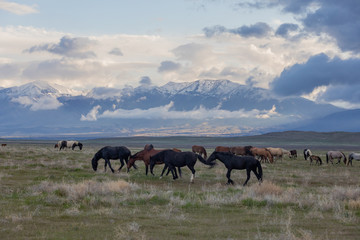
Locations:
327 158
258 165
320 161
204 161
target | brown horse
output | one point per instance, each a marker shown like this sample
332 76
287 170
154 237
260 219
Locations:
222 149
315 158
199 150
263 153
145 156
243 151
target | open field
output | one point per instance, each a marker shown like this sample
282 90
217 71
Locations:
47 194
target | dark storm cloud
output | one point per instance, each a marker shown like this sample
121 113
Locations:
319 70
168 66
257 30
349 93
69 47
339 19
284 29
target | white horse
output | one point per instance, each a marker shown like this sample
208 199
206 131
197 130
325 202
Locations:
352 156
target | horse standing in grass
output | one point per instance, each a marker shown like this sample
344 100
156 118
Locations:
293 154
145 155
307 153
263 153
330 155
222 149
232 161
352 156
276 152
111 153
199 150
68 144
315 158
174 159
242 151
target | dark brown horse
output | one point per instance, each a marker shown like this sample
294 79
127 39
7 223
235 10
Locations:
243 151
199 150
293 154
145 156
222 149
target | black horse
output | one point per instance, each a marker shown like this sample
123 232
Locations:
174 159
232 161
107 153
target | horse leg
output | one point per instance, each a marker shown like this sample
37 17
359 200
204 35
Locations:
179 171
122 164
247 176
146 169
192 173
228 177
108 162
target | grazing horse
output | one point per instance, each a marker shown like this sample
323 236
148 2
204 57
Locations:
330 155
145 156
276 152
243 151
352 156
174 159
68 144
232 161
263 153
222 149
315 158
307 153
3 144
199 150
293 154
111 153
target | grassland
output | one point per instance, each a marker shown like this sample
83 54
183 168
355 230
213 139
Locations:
47 194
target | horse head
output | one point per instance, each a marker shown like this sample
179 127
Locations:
94 163
148 147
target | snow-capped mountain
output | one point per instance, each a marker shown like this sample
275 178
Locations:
219 107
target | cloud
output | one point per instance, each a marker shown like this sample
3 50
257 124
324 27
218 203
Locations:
92 115
257 30
116 52
69 47
338 19
42 103
285 29
16 8
145 80
318 71
168 66
166 112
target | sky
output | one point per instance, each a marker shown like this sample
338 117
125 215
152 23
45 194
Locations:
306 48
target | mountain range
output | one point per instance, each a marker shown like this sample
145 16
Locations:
201 108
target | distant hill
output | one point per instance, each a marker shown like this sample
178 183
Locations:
199 108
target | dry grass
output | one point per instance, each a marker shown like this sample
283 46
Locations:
60 194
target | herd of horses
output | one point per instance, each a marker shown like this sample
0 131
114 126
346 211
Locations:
240 157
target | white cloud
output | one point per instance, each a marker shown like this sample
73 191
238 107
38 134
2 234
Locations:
92 115
16 8
165 112
42 103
